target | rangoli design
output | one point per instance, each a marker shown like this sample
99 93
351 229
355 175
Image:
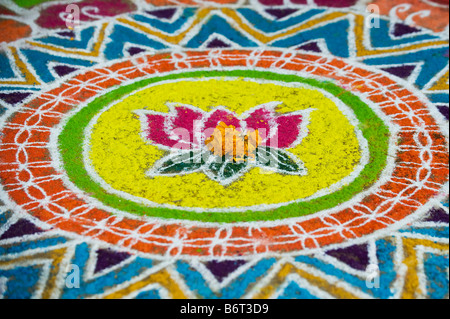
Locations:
224 149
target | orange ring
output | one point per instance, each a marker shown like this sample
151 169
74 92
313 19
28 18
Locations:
419 175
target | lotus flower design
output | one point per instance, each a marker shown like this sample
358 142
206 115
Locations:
222 144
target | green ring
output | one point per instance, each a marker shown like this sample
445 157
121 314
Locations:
372 127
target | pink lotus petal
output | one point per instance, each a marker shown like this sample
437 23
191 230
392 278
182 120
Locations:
156 132
276 131
174 130
185 120
288 130
217 116
260 120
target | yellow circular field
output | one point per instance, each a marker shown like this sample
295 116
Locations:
120 157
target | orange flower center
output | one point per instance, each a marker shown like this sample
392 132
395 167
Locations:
226 140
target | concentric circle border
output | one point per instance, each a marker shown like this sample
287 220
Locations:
411 186
71 145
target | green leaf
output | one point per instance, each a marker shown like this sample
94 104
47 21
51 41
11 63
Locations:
226 169
278 160
184 162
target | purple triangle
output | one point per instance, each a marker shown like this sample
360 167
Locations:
62 70
216 43
444 110
163 13
6 11
221 269
403 71
281 13
20 228
15 97
68 34
437 215
313 46
135 50
356 256
401 29
107 258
